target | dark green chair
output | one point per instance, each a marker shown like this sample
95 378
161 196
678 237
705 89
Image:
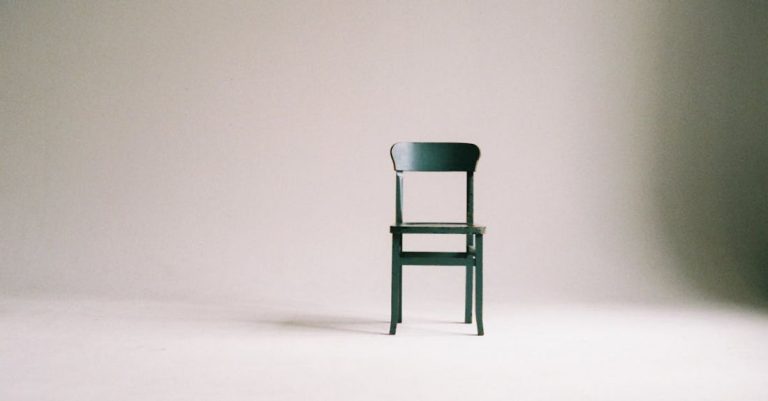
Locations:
435 156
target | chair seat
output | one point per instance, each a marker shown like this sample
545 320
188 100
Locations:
436 228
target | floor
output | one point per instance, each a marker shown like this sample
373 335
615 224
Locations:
119 350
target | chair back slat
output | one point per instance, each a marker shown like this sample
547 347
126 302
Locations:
434 156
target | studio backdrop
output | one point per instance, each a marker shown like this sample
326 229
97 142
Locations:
232 151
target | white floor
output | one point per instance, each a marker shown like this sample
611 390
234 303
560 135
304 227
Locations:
97 350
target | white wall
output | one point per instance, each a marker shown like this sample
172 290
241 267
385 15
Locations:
239 150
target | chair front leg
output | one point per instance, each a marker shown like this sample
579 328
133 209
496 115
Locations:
479 283
396 282
470 271
468 291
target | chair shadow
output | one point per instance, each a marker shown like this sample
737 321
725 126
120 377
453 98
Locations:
327 323
347 325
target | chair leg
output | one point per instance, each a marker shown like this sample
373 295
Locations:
396 281
399 293
479 284
468 294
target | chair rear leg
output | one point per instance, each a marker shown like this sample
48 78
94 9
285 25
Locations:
479 284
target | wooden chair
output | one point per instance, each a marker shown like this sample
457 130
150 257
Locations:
434 156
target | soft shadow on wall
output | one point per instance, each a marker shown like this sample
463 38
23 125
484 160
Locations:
711 154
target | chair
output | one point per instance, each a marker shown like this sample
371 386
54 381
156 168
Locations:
439 157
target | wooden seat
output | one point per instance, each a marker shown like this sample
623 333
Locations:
437 228
439 157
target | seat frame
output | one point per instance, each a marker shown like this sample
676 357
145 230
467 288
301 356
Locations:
439 157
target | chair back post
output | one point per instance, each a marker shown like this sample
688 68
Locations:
470 205
470 197
399 198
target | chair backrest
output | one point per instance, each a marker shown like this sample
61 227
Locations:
434 156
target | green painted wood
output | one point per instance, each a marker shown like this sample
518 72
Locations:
399 242
434 258
399 198
436 228
479 284
469 271
470 250
470 198
397 272
439 156
434 156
